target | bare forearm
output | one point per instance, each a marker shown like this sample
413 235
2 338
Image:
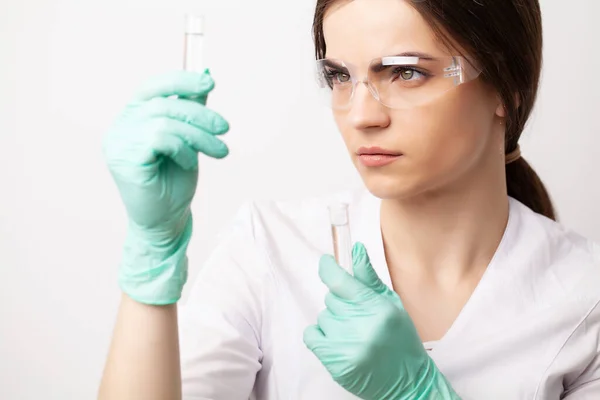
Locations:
143 361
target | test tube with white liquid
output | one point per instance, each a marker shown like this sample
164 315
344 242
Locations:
193 56
193 51
340 231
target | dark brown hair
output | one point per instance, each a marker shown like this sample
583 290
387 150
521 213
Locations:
505 38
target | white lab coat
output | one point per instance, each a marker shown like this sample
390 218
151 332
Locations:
531 329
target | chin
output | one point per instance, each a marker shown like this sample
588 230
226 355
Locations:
393 187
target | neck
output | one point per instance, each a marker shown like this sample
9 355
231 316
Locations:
447 236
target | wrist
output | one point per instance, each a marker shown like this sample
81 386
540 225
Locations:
155 271
435 386
160 237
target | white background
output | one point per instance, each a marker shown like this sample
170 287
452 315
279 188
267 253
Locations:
67 67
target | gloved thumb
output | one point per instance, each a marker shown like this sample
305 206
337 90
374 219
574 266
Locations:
339 282
363 270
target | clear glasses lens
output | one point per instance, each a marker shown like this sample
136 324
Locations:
396 82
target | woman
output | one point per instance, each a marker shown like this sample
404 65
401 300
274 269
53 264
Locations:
469 288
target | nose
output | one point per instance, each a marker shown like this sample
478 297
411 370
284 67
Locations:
366 112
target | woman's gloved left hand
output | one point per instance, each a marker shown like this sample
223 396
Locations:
366 339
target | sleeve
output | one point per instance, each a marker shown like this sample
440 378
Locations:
220 325
586 386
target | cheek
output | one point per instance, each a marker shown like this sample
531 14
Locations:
450 133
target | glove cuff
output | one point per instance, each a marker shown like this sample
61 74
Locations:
152 275
436 386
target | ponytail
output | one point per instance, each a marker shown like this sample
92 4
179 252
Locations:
526 186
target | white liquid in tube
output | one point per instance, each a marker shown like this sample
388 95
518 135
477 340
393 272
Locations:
340 231
193 57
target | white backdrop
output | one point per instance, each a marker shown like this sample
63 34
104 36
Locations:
66 69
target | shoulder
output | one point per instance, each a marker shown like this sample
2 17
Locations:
547 284
558 256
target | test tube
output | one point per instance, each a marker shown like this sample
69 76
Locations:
193 59
340 231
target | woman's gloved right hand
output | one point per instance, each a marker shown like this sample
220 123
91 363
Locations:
152 153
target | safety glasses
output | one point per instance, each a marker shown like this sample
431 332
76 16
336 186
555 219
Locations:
397 82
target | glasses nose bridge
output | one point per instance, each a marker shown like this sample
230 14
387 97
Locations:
370 87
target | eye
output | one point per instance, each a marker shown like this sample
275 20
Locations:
342 77
408 74
409 77
337 77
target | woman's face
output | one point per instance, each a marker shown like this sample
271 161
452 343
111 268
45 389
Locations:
442 141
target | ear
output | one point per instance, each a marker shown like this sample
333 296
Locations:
501 110
501 107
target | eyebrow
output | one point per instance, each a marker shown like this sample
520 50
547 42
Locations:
333 64
419 54
378 67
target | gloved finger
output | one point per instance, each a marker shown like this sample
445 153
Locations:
195 138
175 148
363 270
177 83
329 323
314 339
340 282
185 111
336 305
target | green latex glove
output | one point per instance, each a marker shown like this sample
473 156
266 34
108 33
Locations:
152 154
366 339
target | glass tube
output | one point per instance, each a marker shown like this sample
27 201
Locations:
340 231
193 56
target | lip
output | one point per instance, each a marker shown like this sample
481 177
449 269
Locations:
377 156
377 151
